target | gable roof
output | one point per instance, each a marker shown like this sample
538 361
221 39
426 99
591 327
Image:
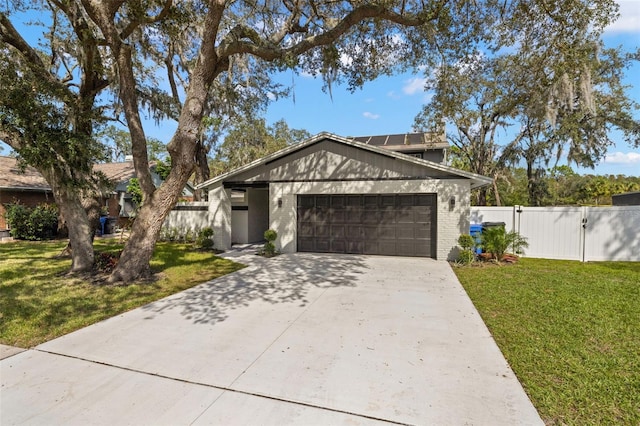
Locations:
476 180
12 177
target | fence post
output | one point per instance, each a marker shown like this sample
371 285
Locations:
583 234
517 209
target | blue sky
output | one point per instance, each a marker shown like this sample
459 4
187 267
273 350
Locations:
389 104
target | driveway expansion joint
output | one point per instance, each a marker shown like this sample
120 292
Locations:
223 388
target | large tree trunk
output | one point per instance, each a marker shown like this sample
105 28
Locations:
496 193
135 260
202 170
80 230
481 199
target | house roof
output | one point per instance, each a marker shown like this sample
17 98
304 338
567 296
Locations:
118 172
12 177
476 180
406 141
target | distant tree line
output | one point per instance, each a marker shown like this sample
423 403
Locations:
561 186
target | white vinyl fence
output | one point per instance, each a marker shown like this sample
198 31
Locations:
574 233
191 215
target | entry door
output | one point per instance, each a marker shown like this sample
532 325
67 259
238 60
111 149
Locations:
384 224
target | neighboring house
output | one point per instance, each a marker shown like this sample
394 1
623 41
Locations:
626 199
31 189
334 194
26 185
120 203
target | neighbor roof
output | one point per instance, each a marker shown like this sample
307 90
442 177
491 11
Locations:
406 141
118 172
12 177
476 180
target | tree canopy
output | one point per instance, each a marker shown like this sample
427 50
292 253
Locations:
524 106
201 62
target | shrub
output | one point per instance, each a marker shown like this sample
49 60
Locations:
269 248
496 241
467 243
205 238
466 257
39 223
270 235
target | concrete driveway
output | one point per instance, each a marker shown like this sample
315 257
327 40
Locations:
297 339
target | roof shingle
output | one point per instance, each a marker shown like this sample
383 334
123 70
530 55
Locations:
11 177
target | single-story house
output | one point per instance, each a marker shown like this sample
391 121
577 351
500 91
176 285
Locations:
30 188
339 195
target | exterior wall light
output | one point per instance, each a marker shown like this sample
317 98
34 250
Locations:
279 202
452 202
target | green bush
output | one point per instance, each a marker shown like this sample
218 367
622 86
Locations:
205 238
466 241
496 240
38 223
270 235
269 248
466 257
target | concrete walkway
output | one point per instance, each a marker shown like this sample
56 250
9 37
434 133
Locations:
297 339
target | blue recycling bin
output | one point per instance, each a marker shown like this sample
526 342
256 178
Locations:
475 230
103 220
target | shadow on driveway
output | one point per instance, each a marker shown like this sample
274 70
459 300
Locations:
284 279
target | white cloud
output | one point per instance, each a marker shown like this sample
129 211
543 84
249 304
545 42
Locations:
370 115
629 20
393 95
414 85
623 158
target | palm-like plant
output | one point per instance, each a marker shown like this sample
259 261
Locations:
496 241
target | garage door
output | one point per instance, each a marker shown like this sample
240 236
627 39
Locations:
386 224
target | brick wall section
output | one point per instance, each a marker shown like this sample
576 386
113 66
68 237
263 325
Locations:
451 222
28 198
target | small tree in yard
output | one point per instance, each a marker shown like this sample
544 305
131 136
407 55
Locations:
497 241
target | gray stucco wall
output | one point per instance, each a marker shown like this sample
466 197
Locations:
220 216
258 201
335 161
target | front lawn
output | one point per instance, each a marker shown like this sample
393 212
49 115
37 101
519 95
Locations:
38 302
570 331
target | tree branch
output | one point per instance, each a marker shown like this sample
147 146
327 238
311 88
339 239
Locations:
234 43
10 35
129 29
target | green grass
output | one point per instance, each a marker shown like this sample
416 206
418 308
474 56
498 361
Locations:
571 333
38 302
